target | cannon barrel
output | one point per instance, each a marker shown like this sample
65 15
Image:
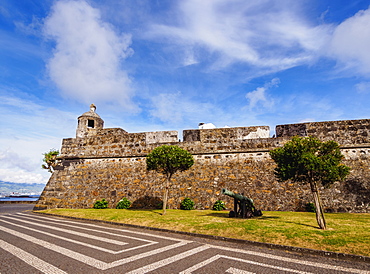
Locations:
236 196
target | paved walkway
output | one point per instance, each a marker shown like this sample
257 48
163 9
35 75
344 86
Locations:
32 243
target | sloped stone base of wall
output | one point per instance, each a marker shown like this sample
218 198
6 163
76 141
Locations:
82 181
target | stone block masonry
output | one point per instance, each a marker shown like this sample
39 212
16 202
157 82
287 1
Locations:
110 164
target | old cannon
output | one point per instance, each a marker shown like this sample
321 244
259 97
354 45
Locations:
243 206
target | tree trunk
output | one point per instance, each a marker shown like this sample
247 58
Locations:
322 211
165 195
319 211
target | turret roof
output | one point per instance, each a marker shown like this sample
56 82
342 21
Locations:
91 112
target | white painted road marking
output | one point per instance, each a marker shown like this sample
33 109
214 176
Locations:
168 261
214 258
233 270
85 235
289 260
76 242
87 259
30 259
99 230
100 226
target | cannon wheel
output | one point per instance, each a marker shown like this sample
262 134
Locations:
248 214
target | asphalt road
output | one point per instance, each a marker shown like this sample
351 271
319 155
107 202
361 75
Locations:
34 243
14 208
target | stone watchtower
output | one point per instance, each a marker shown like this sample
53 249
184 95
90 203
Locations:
88 123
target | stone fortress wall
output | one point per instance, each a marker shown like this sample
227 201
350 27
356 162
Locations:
110 163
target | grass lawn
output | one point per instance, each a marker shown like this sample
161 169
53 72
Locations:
347 232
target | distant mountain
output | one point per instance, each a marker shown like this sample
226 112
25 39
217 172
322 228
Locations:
7 188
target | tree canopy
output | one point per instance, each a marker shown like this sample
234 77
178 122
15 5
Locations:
308 160
168 160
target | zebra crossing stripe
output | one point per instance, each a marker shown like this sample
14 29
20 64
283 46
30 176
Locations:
233 270
169 260
214 258
72 241
69 253
89 260
30 259
296 261
78 225
200 265
85 235
99 226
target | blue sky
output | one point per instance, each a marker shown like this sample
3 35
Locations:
168 65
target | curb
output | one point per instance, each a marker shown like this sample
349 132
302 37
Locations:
302 250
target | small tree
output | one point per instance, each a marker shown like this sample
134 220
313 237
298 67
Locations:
308 160
50 160
168 160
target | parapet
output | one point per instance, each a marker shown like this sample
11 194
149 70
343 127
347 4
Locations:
114 142
226 134
93 140
161 137
345 132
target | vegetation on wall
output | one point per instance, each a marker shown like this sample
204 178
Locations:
308 160
50 160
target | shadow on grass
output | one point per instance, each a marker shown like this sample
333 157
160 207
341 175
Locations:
303 224
266 217
155 211
218 214
226 215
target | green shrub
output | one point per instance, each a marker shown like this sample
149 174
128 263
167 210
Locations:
124 203
187 204
219 205
101 204
310 207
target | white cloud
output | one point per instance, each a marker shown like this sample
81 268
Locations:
189 58
363 87
350 44
307 107
29 130
262 34
179 111
86 64
174 107
258 96
31 29
10 159
20 176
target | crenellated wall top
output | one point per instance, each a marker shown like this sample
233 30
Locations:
116 142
